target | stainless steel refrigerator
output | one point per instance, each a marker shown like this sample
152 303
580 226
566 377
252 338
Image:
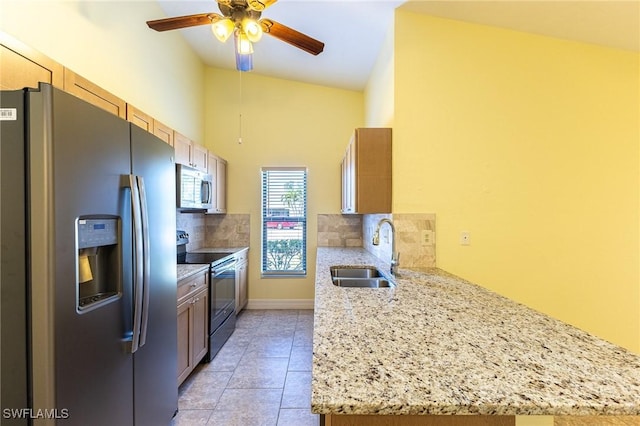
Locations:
88 290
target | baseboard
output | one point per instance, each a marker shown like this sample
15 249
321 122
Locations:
280 304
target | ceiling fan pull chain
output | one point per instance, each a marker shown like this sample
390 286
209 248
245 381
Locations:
240 112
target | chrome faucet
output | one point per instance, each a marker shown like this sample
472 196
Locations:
395 256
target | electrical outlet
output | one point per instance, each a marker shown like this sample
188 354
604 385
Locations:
465 238
427 237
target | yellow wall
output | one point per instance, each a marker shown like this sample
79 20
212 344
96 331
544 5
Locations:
531 144
284 123
378 93
110 44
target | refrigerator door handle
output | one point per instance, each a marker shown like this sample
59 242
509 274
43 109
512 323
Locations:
138 262
146 259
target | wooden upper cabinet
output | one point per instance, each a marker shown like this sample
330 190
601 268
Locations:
94 94
199 156
182 147
366 172
139 118
162 131
22 66
148 123
190 153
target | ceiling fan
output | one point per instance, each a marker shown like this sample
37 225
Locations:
241 18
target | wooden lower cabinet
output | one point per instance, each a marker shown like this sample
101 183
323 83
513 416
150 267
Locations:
242 279
370 420
185 362
193 323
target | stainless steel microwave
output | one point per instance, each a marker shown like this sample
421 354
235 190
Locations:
194 188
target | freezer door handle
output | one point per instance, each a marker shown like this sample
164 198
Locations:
138 262
146 260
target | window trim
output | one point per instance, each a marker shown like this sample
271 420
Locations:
264 229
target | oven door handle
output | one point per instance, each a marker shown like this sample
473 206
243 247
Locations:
223 267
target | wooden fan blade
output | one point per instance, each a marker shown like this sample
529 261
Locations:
260 5
291 36
183 21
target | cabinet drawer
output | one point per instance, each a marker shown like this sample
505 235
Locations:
189 286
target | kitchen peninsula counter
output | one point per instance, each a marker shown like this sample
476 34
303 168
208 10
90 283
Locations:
439 345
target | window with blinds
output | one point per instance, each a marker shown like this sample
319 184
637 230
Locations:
284 221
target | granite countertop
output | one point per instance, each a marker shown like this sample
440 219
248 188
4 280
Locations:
437 344
185 271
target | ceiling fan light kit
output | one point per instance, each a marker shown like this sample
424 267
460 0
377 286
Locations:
252 29
222 28
241 18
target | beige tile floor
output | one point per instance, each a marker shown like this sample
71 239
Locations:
262 375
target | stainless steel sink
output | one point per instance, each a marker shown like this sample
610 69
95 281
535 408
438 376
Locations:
359 276
355 272
363 282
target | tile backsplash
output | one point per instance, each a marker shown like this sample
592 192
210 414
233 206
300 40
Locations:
410 229
194 224
336 230
229 230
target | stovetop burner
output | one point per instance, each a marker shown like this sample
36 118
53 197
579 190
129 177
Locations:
188 258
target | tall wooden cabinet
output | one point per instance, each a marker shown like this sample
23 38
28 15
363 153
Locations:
217 168
366 172
193 323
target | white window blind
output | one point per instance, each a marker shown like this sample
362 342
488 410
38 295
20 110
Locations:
284 221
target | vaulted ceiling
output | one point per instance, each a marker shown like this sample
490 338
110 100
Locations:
353 31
